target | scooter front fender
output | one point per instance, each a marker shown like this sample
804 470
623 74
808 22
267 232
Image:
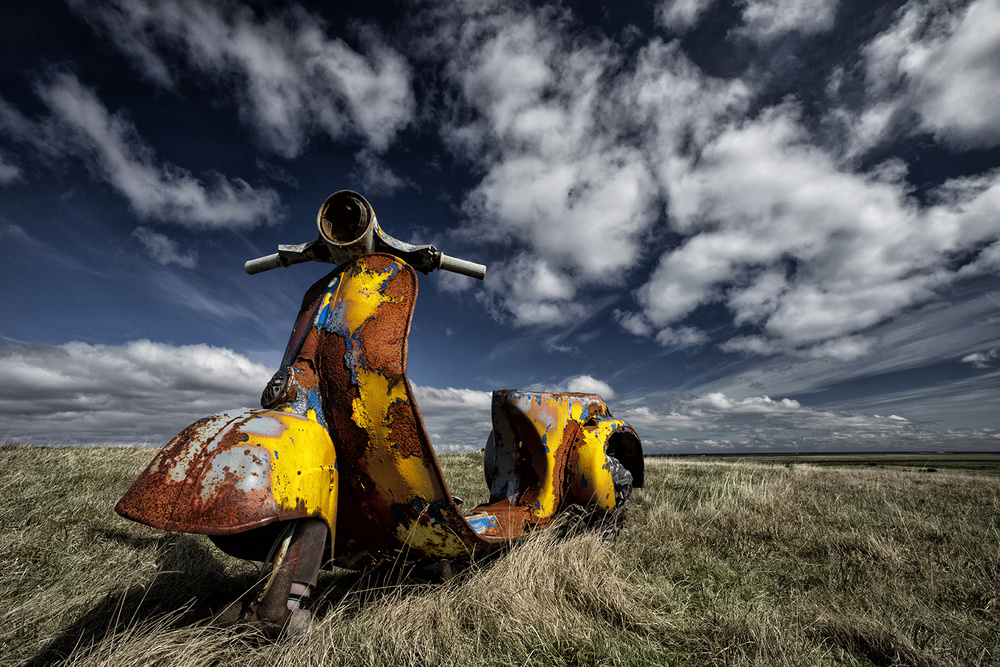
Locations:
235 471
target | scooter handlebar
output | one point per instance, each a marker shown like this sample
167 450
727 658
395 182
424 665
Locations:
462 266
262 264
306 252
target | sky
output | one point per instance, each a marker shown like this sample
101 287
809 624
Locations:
753 226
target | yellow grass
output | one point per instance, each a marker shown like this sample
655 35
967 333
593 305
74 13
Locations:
727 563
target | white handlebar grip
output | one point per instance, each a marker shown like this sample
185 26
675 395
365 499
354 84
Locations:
262 264
456 265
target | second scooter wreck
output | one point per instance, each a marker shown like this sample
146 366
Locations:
336 467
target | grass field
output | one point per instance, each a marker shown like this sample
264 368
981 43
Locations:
919 461
721 562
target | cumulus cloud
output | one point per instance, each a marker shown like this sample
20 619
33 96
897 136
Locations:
163 249
538 113
576 147
285 75
585 384
800 246
531 291
81 126
133 393
767 20
940 61
147 392
581 150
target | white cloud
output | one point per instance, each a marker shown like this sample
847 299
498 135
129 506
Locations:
751 346
844 349
941 62
681 15
795 243
287 78
456 419
163 249
719 402
537 111
81 126
530 291
681 337
763 20
162 192
983 360
767 20
137 392
633 323
585 384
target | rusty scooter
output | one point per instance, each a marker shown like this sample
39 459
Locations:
336 467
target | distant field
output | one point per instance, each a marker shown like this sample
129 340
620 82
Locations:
986 462
722 562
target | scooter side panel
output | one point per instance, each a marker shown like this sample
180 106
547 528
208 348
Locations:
237 470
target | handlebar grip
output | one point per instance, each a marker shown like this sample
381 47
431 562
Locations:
262 264
456 265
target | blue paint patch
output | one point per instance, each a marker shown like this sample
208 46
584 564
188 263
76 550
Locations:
483 522
583 480
545 448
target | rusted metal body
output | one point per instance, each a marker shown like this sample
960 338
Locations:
341 439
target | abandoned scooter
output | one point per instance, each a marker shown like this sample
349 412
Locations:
336 468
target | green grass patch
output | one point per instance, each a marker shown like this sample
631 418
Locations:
726 562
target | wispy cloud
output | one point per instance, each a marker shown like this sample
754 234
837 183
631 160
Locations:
80 126
286 77
163 249
375 176
983 360
9 173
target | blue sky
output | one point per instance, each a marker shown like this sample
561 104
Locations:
769 225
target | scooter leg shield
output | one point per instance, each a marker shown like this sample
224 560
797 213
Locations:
236 471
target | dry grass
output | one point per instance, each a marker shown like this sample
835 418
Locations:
719 563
